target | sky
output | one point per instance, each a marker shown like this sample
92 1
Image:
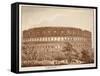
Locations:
48 16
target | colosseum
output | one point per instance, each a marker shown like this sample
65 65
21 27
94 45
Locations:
56 46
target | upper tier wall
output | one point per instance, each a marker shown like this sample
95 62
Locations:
55 31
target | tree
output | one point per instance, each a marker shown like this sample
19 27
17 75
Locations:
58 55
85 56
70 52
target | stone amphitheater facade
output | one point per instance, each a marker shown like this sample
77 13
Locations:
53 35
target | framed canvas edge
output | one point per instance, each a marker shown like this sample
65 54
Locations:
15 38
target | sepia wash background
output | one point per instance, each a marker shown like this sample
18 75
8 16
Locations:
40 16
